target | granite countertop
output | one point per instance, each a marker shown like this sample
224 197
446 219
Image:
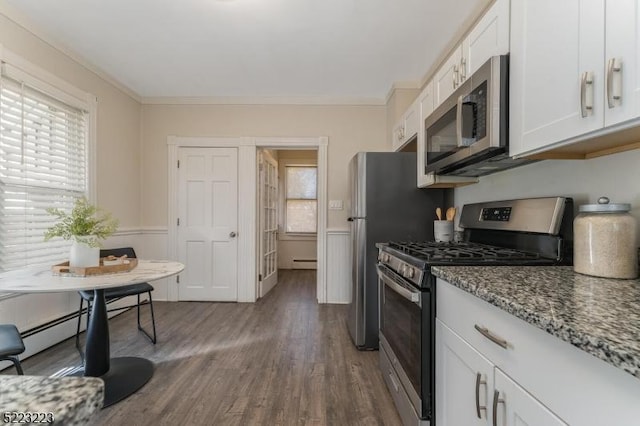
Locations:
598 315
71 400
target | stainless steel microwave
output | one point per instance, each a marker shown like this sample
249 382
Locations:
467 135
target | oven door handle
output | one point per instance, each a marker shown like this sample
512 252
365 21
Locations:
414 297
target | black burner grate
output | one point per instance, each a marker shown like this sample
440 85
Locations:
434 251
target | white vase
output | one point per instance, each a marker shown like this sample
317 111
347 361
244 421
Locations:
82 255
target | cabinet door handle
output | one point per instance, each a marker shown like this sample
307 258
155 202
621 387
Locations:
463 69
586 94
479 382
496 400
454 75
613 66
489 335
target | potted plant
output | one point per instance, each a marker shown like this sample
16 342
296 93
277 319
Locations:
86 225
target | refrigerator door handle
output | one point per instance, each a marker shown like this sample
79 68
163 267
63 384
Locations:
352 218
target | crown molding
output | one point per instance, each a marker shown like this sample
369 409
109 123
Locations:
264 100
399 85
20 19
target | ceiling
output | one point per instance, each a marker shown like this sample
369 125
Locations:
253 48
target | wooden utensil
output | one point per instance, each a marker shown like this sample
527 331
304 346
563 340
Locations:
451 213
439 213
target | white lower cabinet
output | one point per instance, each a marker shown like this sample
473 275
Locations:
514 406
540 379
464 379
470 390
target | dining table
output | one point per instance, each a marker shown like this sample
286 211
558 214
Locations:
122 376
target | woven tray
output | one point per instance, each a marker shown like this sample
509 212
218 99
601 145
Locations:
66 270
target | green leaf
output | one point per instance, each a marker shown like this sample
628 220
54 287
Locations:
86 223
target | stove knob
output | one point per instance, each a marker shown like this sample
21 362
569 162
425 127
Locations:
403 269
381 257
387 258
411 273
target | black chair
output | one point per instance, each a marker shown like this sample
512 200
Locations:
11 345
118 293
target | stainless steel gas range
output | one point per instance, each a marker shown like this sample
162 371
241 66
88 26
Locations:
535 231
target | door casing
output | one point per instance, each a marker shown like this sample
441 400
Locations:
247 207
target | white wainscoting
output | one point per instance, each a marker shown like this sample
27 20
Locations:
338 266
30 310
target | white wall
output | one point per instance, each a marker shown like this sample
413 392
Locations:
615 176
349 129
118 121
118 175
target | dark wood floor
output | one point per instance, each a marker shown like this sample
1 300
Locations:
281 361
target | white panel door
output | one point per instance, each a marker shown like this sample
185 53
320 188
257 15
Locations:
268 205
464 381
553 45
208 219
622 61
517 407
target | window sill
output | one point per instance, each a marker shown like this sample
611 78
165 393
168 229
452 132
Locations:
296 237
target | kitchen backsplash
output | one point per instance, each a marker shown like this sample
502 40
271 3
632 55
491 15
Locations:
615 176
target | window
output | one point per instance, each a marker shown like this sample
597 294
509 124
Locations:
43 163
301 204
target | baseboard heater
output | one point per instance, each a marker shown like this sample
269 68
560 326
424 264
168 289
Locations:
305 264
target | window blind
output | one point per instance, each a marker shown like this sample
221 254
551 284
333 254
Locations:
43 163
301 203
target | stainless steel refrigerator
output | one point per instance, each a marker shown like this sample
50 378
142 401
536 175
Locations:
386 205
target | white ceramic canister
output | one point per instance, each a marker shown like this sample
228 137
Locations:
604 241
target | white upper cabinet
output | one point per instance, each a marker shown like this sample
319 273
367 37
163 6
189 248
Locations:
447 79
572 71
622 66
410 120
425 105
407 127
489 37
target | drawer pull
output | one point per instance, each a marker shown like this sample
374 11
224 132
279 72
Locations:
489 335
479 382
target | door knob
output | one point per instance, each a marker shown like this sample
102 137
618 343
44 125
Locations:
232 234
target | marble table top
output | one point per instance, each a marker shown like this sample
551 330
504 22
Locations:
598 315
69 400
41 279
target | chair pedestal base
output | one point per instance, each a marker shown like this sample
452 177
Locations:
125 376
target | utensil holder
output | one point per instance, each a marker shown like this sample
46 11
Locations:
443 230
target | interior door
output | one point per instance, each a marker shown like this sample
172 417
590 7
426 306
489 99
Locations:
268 205
207 223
